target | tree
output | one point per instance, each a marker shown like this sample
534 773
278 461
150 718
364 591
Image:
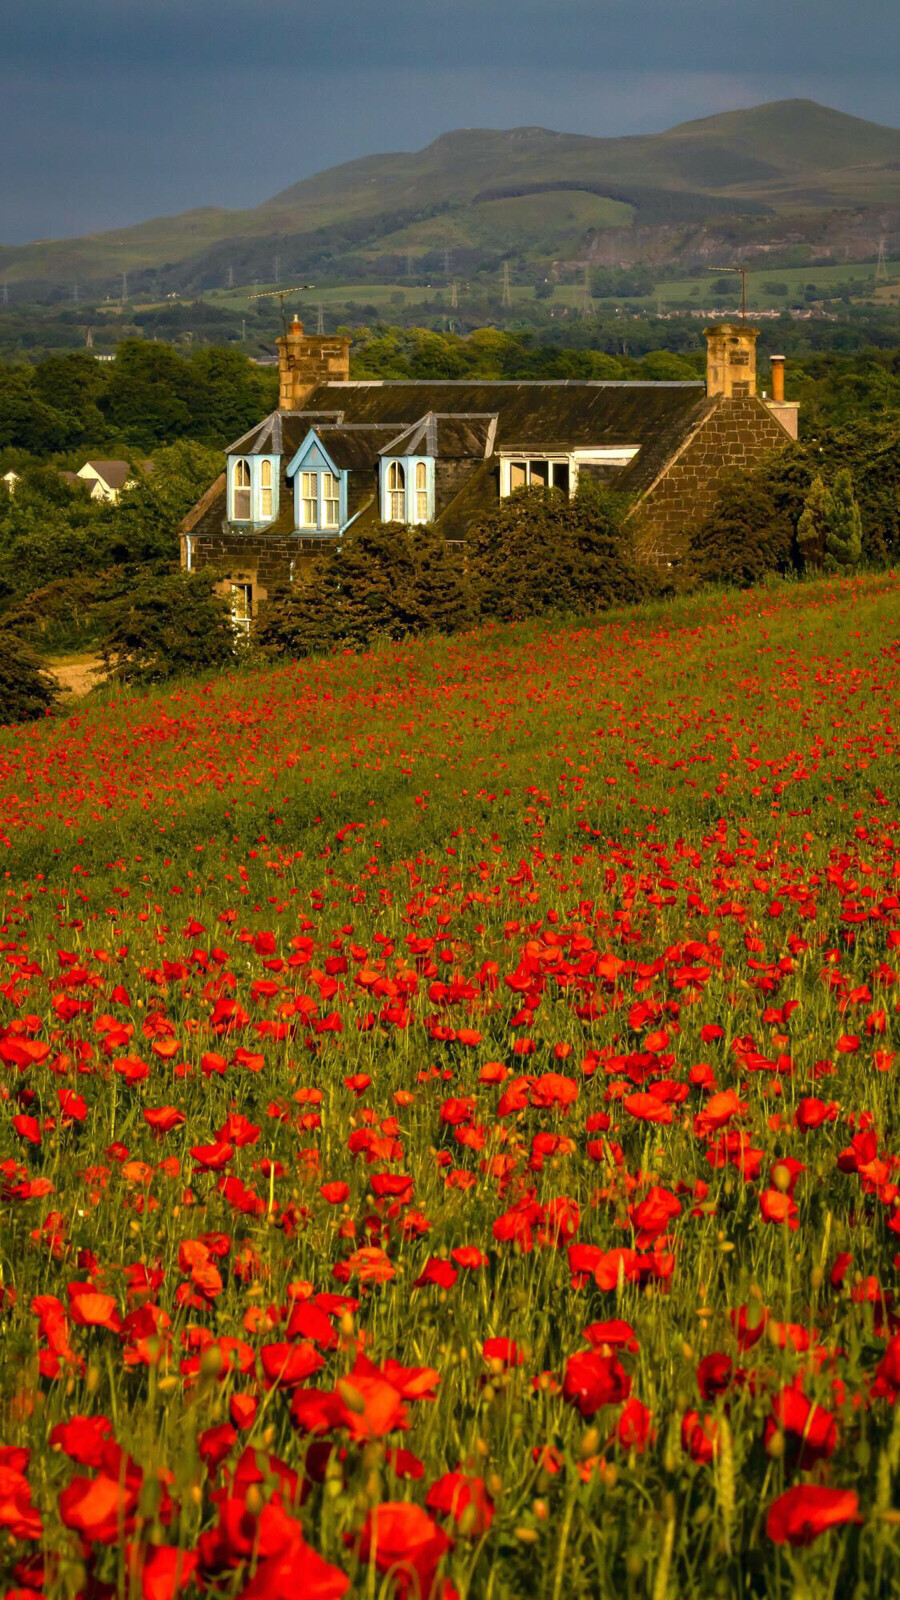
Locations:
170 625
813 523
843 523
745 536
143 526
26 691
540 551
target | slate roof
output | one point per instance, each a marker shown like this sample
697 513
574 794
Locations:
453 436
564 413
358 421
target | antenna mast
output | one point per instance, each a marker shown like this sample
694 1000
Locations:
743 273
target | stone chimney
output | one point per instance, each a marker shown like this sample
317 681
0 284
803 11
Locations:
731 359
307 359
786 411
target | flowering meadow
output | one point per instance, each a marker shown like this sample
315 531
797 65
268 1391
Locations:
449 1142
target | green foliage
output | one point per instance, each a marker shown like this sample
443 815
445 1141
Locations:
26 691
843 524
746 536
811 528
539 551
144 524
149 396
382 581
170 625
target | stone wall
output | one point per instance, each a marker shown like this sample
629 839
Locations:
737 437
263 561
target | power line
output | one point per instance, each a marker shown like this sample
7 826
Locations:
454 293
881 268
277 270
124 287
320 319
230 279
506 294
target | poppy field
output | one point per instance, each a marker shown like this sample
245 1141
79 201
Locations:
449 1136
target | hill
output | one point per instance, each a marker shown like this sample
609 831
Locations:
500 191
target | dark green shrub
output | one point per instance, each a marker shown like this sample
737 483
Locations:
747 535
26 691
379 581
171 624
843 524
813 523
539 551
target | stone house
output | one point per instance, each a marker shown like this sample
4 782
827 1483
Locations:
339 452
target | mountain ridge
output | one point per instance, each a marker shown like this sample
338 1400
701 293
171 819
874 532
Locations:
781 158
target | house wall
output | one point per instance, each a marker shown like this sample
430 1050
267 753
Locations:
263 560
738 436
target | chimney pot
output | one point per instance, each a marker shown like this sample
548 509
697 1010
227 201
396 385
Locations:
777 364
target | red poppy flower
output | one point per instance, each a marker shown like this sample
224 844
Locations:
406 1543
592 1380
801 1514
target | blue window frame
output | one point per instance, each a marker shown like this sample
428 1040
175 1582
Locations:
320 489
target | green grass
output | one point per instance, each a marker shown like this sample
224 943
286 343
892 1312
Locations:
603 835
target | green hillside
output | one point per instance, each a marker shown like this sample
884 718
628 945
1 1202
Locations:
490 190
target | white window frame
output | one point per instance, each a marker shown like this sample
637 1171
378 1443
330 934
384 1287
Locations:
239 467
416 493
318 503
395 492
328 481
241 601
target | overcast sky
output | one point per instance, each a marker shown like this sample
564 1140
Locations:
118 110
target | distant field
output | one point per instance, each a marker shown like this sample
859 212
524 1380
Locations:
762 292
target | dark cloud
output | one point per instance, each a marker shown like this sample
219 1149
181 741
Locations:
123 109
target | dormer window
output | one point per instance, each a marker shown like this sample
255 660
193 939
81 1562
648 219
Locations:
320 500
253 488
240 503
396 493
265 489
330 492
421 492
407 489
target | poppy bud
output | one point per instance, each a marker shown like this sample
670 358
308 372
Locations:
495 1485
775 1445
92 1379
634 1563
468 1522
817 1277
211 1361
589 1443
254 1500
539 1507
353 1400
527 1535
781 1177
167 1384
346 1324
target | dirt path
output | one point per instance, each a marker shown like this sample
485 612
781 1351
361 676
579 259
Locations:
76 674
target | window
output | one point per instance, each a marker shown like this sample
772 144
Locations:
537 472
240 501
421 492
396 493
331 503
242 605
309 499
265 489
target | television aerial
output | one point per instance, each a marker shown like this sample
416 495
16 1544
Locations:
281 294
